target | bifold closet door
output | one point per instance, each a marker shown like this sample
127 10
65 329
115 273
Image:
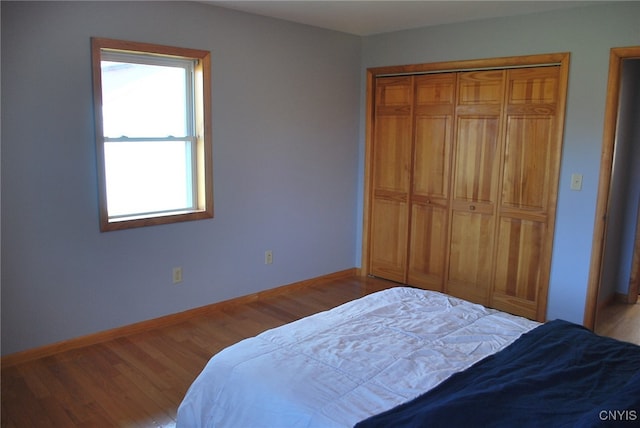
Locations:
476 166
391 177
529 191
434 108
464 181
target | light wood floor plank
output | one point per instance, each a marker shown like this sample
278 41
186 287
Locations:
139 380
621 321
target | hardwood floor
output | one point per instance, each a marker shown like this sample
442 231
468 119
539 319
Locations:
139 380
621 321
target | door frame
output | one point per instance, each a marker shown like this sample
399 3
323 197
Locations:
561 59
616 56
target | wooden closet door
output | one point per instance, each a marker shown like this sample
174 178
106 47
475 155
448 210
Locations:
434 108
391 177
476 166
529 189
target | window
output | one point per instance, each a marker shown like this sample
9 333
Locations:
153 133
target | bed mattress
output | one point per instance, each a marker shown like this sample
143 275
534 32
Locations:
338 367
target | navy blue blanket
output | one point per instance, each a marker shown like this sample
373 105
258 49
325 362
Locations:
557 375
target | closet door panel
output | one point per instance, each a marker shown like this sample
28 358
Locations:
518 273
389 247
433 112
526 177
470 256
476 159
476 165
529 189
533 86
428 238
523 212
392 153
481 88
435 89
431 160
391 177
429 202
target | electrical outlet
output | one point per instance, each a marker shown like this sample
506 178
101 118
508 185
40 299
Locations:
177 275
268 257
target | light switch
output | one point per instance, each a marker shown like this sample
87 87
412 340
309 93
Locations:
576 181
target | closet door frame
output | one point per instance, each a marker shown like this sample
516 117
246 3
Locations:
560 59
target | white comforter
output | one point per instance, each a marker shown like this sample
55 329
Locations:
338 367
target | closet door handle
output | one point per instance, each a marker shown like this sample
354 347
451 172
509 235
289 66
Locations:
472 207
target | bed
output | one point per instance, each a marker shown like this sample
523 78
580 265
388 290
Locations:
411 357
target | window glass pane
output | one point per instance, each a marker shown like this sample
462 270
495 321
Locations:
147 177
153 136
143 100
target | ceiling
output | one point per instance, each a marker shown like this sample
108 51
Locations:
364 18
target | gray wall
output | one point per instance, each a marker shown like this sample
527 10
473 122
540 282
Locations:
285 147
588 33
288 156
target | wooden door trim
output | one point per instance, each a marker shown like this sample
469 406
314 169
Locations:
561 59
473 64
368 174
616 56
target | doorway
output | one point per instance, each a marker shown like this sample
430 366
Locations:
612 264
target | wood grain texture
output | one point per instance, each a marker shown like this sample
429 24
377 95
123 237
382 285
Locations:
428 240
138 380
429 197
476 162
165 321
620 320
391 177
528 193
483 169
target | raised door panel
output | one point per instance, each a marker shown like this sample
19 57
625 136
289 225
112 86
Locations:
392 154
435 90
525 184
480 97
470 256
533 86
519 274
434 110
432 156
476 159
391 177
481 88
428 238
393 93
531 146
389 243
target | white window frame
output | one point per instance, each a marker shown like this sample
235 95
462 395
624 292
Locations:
198 128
